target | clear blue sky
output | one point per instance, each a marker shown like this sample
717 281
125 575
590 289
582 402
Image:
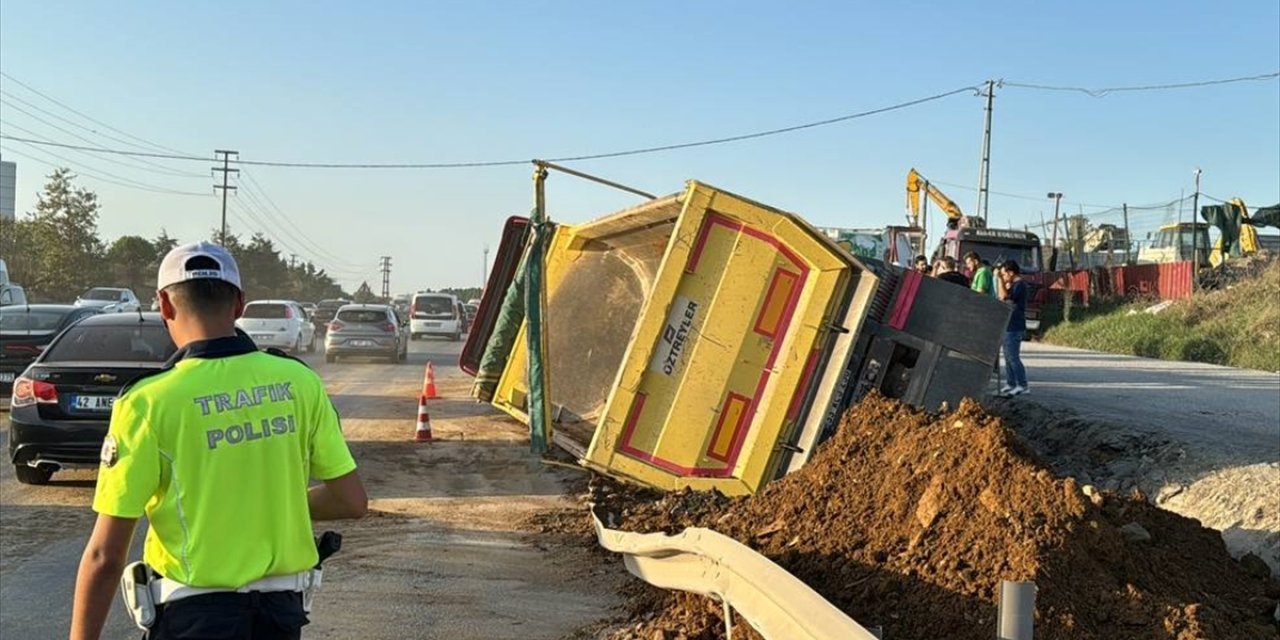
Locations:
434 81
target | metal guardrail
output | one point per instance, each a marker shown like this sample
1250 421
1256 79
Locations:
776 604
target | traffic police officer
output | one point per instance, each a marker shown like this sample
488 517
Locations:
217 450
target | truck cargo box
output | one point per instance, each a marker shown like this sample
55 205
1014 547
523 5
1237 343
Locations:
685 335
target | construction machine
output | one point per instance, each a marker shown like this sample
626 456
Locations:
704 340
1238 235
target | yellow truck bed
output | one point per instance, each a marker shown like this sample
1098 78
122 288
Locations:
687 338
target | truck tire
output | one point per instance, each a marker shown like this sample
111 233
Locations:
32 475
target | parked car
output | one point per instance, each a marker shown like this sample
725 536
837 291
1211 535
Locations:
62 403
27 330
10 293
367 330
278 323
472 311
436 314
324 313
109 299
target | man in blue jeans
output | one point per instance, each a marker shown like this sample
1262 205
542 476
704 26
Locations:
1015 293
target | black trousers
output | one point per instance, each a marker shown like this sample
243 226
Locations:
271 615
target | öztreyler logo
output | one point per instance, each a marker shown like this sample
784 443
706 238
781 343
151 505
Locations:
676 336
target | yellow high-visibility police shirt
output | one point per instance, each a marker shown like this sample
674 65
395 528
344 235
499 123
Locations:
217 450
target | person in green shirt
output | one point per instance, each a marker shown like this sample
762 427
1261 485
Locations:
982 281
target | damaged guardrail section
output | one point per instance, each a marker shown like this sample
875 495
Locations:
776 604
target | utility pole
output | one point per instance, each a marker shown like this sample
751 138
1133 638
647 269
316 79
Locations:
385 263
1195 234
984 170
293 259
226 171
1128 242
924 226
1053 246
484 268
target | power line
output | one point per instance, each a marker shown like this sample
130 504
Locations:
1100 93
166 172
253 189
505 163
1018 196
88 117
117 152
241 211
162 168
253 205
111 177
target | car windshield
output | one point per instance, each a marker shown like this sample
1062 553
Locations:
20 319
102 294
433 305
267 311
330 305
1028 257
119 343
362 316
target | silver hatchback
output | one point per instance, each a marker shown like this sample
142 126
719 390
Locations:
369 330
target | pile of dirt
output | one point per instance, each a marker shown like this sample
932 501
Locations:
909 522
1229 492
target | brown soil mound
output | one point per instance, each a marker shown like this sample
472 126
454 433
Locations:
909 522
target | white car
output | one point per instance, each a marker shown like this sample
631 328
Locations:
282 324
436 314
109 299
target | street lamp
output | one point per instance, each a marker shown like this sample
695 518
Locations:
1056 196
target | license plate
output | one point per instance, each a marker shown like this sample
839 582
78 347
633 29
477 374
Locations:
92 403
6 376
362 343
263 337
432 324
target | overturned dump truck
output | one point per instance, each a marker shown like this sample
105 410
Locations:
704 340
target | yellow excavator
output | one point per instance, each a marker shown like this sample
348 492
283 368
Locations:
917 183
1228 221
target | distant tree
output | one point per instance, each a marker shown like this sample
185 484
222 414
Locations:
16 249
162 244
65 255
131 259
364 294
464 294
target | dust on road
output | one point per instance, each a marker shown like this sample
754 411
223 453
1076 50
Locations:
442 553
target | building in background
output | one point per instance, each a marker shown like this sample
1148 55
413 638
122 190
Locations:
8 189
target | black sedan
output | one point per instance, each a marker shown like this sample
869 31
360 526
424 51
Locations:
26 330
62 403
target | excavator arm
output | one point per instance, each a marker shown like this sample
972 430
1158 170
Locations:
917 183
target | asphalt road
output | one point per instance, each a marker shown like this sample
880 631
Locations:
1225 413
441 555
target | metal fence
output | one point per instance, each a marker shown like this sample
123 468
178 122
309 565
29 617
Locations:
1168 281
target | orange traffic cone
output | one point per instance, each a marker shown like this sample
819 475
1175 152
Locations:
423 432
429 383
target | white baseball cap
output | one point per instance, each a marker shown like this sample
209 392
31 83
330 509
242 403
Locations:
175 266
